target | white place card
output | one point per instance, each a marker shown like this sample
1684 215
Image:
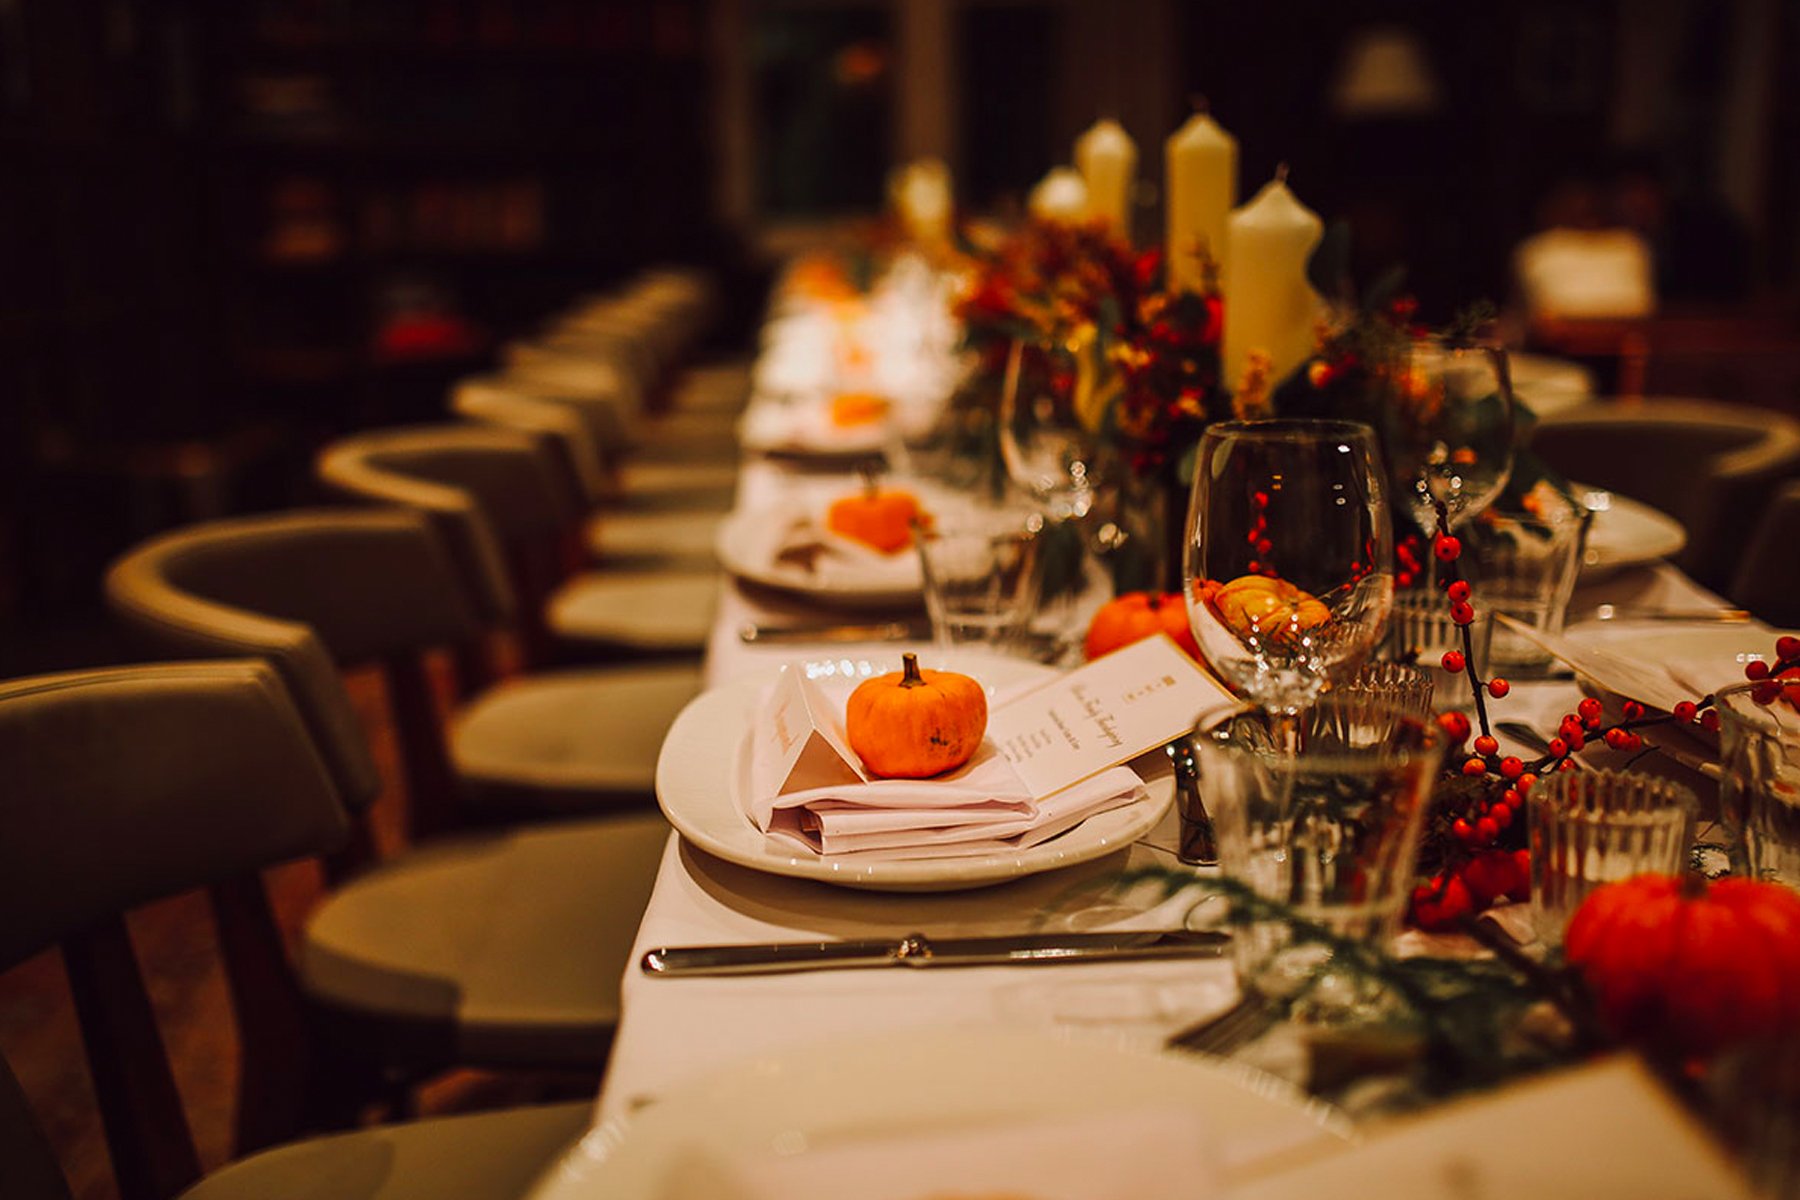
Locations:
1103 714
805 745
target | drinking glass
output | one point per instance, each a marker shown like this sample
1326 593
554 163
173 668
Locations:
1403 685
1759 793
1448 427
982 568
1051 406
1329 829
1594 827
1525 567
1289 549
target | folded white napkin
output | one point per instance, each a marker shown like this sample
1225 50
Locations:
981 808
1142 1154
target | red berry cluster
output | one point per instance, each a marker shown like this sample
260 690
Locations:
1258 537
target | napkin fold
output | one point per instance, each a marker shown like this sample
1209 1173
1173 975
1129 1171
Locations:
981 808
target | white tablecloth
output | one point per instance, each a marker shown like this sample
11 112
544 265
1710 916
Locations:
677 1029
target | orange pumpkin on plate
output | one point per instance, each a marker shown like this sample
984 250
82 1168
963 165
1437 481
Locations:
1271 608
878 517
1135 616
857 408
913 724
1688 965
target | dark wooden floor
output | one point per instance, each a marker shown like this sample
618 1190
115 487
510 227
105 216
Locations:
174 940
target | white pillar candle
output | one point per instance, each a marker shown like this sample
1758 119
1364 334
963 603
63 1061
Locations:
1107 159
1201 168
1269 305
1059 196
921 196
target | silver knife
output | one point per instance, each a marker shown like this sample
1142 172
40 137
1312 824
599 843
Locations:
883 631
916 950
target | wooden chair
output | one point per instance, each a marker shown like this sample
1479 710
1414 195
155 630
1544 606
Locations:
1710 466
128 785
498 950
468 476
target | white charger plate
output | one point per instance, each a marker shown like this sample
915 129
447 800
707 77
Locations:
1626 532
699 777
931 1081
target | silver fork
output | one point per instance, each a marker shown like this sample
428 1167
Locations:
1222 1033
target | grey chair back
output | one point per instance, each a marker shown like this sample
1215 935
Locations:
1706 464
1767 581
126 785
563 427
308 590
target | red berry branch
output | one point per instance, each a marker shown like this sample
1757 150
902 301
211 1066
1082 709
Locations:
1480 839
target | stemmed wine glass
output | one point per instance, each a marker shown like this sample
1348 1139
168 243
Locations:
1449 427
1050 425
1289 556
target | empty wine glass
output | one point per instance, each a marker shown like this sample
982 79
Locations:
1449 427
1050 410
1289 556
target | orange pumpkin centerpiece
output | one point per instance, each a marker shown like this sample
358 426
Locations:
857 408
1135 616
877 516
1691 966
1266 607
912 724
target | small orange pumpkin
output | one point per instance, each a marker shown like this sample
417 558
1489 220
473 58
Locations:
1265 606
912 724
857 408
1691 966
1135 616
876 516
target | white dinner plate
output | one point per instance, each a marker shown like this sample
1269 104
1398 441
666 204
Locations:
1626 532
699 778
743 548
806 432
933 1081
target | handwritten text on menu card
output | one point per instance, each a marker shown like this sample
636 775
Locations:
1103 714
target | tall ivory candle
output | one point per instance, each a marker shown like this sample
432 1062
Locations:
1201 167
921 195
1059 196
1107 159
1269 305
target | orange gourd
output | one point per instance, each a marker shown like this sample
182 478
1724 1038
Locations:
857 408
1135 616
913 724
1271 608
1690 966
879 517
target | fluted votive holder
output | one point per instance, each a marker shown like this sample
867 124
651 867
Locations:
1590 828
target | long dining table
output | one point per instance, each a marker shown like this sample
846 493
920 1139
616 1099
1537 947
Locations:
676 1030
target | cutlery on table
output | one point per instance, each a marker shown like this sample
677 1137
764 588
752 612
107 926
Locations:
1634 612
1224 1032
917 950
752 633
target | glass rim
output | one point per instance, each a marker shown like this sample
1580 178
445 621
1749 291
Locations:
1758 718
1278 427
1385 755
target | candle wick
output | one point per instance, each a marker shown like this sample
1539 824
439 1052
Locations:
1197 100
1281 173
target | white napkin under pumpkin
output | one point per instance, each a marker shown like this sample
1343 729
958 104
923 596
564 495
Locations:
980 808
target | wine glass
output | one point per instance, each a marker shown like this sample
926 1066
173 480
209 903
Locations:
1289 556
1449 427
1050 411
